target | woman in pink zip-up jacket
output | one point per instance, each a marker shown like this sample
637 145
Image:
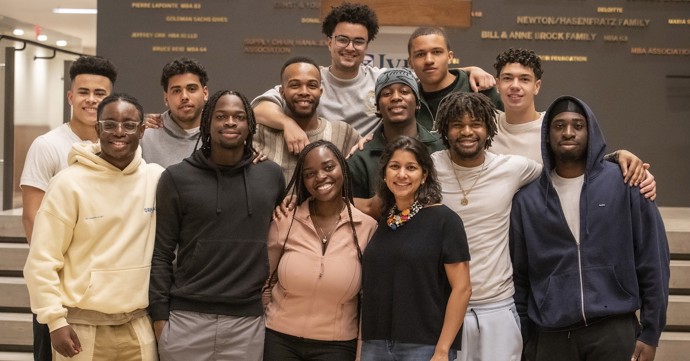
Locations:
315 259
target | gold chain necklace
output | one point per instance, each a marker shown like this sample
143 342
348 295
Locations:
464 201
324 237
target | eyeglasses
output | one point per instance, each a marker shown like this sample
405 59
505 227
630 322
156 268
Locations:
343 41
111 126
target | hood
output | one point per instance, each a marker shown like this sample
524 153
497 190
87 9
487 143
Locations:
86 154
201 161
596 145
174 130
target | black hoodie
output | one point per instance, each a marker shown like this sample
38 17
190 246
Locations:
218 219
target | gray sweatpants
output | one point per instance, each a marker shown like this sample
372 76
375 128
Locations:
491 332
203 336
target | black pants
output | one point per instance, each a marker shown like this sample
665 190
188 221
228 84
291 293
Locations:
611 339
42 349
281 347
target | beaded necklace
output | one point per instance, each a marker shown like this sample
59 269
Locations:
397 219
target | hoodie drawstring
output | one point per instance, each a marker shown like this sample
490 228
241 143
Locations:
246 192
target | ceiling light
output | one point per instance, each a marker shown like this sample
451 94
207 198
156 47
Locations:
61 43
18 32
42 37
74 11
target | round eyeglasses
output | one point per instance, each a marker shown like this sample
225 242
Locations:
111 126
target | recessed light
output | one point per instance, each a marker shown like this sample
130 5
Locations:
74 11
61 43
42 37
18 32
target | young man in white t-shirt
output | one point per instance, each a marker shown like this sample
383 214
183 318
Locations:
479 186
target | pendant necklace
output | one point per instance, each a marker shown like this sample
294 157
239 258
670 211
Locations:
325 237
464 201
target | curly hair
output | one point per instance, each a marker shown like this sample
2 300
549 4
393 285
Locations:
527 58
458 104
181 66
429 192
117 97
96 65
351 13
205 126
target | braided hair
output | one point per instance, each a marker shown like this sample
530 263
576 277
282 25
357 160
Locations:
296 187
297 190
207 113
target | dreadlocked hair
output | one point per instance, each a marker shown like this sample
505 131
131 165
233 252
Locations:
456 105
207 113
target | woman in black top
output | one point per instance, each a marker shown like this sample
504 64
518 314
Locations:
416 281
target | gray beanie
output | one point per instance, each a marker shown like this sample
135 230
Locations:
393 76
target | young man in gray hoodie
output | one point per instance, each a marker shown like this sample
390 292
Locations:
184 93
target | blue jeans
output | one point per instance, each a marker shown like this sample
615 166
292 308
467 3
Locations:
384 350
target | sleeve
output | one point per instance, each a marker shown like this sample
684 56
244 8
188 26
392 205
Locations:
259 139
168 218
280 190
366 231
271 95
52 236
359 176
518 255
495 97
652 263
455 247
351 139
529 171
40 165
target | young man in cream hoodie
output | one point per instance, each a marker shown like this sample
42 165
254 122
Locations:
89 262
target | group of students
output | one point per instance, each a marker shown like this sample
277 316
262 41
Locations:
365 256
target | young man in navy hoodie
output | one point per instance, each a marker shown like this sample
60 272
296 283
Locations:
215 208
587 250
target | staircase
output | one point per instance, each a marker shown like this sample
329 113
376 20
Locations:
15 316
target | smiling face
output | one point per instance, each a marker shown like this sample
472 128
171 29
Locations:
397 104
568 137
301 89
86 92
185 97
467 139
517 86
429 57
117 147
403 177
348 59
229 124
322 175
